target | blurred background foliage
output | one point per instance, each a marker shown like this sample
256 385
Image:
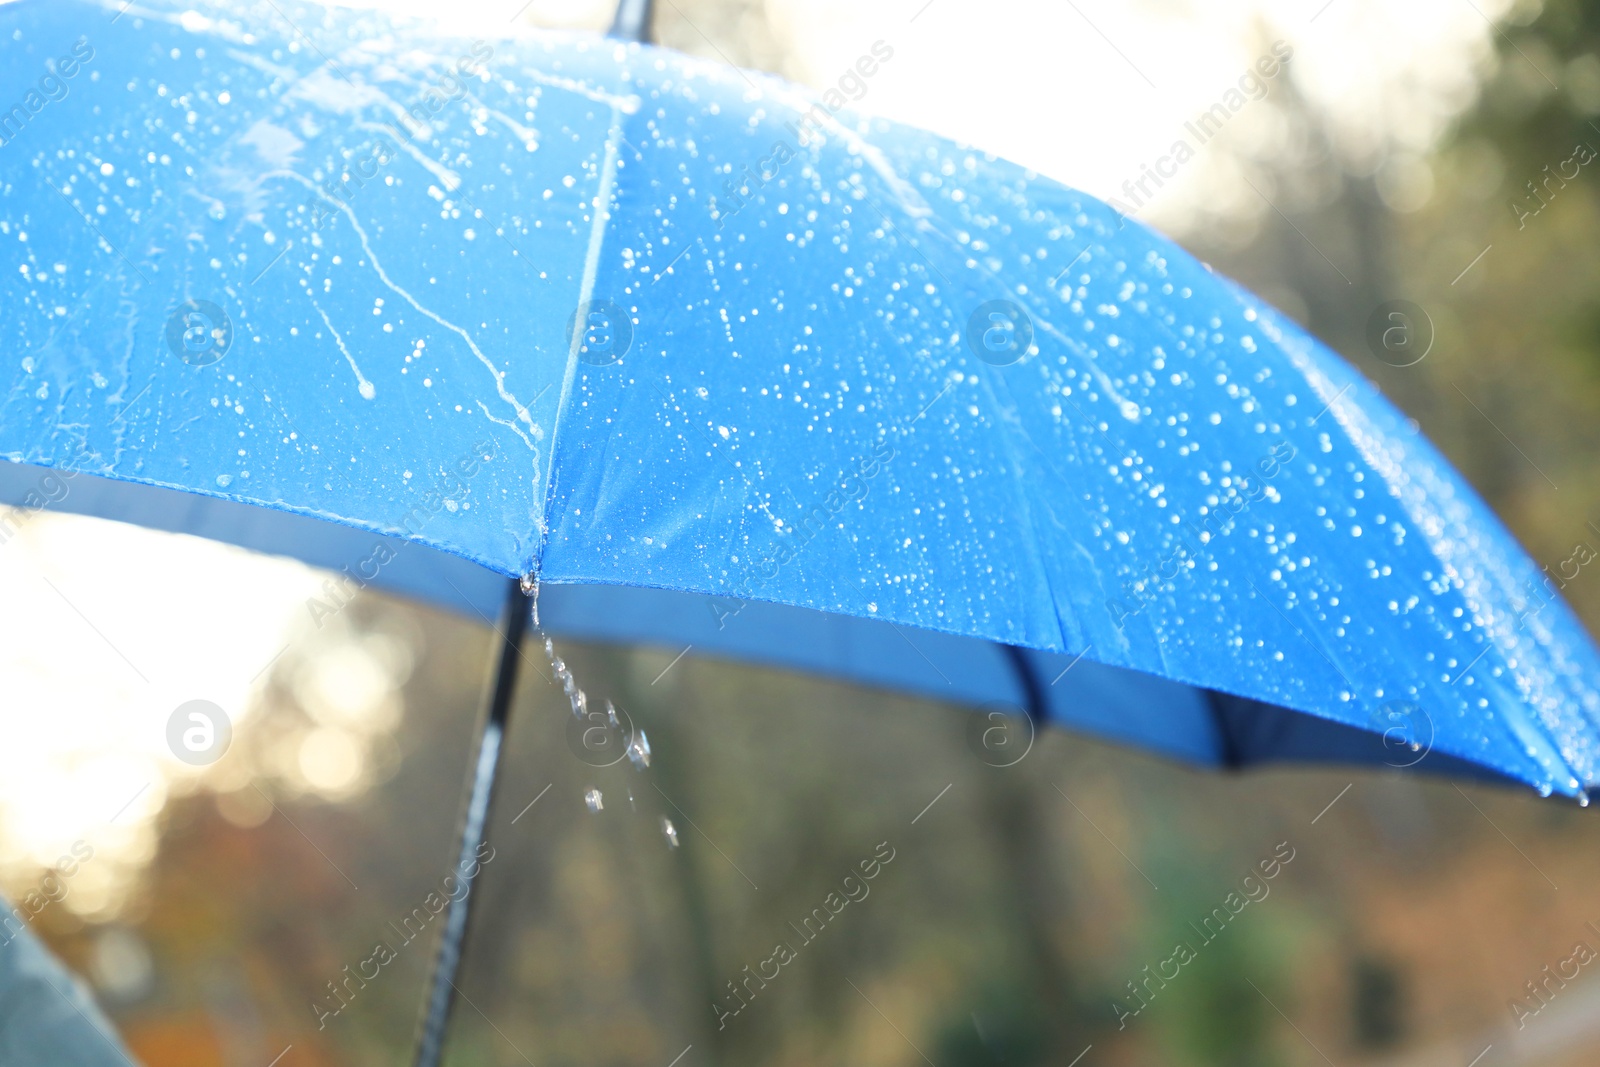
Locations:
1023 902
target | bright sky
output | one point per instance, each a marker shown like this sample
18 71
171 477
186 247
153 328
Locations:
109 628
1091 91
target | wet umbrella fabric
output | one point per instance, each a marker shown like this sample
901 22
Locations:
721 365
717 364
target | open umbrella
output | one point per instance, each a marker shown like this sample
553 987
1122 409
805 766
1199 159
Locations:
695 358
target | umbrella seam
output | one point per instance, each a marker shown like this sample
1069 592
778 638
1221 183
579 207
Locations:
591 267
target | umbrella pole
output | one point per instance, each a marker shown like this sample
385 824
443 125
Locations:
632 21
442 990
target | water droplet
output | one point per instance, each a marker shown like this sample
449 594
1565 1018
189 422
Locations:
1583 800
593 800
611 714
669 831
639 750
530 586
580 704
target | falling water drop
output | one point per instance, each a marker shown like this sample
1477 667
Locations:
639 750
580 704
670 831
611 715
1583 800
593 799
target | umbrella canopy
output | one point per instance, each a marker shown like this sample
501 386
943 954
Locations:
717 363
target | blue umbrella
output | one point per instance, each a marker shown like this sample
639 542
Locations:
700 360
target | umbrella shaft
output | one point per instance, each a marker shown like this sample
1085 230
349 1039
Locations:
442 990
632 21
